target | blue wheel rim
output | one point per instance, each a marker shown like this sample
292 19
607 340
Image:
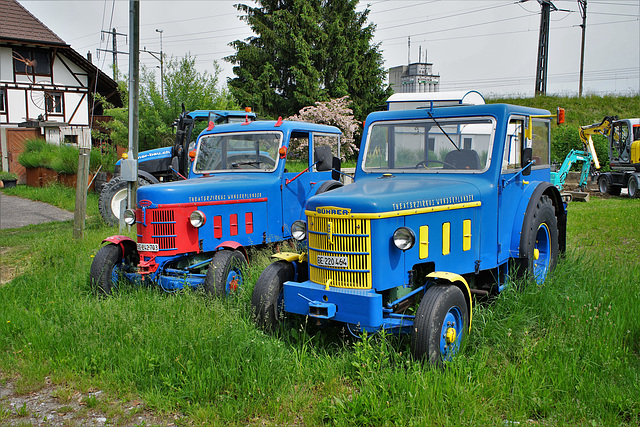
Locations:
542 260
451 333
234 281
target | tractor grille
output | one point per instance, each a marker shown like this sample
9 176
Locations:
339 240
163 225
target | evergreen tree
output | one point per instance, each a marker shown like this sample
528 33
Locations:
307 51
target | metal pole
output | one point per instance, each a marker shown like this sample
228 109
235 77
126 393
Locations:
115 53
543 48
161 65
134 93
582 4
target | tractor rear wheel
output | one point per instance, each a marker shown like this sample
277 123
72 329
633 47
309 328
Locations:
539 241
114 192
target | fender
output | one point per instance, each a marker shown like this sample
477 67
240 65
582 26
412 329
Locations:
230 244
534 191
460 282
125 242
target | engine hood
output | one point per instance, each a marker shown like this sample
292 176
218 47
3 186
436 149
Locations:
217 188
391 194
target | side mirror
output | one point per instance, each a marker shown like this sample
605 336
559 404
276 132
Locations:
527 155
323 157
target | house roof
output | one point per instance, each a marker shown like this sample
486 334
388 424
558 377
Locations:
18 24
19 27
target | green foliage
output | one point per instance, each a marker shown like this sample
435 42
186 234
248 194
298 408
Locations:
7 175
63 158
538 355
183 84
305 52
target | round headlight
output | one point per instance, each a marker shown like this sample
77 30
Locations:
404 238
129 216
299 230
197 219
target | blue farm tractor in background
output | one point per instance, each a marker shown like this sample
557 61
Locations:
447 203
165 163
239 194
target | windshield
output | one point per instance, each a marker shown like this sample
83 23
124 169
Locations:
430 145
240 151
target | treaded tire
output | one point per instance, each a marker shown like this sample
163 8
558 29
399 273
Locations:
606 187
539 241
632 187
267 303
443 308
328 186
112 193
225 273
104 269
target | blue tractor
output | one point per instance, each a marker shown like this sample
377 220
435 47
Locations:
240 193
165 163
447 203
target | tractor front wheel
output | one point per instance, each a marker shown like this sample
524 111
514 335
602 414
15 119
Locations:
267 301
441 321
226 273
107 268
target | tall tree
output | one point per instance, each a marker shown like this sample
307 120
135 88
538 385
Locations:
306 51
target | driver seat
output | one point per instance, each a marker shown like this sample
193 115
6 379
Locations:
462 159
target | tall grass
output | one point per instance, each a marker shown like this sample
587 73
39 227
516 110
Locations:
566 352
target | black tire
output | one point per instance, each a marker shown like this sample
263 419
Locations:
105 268
606 187
632 187
441 321
328 186
539 240
112 193
225 273
267 303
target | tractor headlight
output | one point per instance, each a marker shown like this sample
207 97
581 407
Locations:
197 219
299 230
129 216
404 238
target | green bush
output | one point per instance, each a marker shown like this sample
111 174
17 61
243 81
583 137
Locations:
7 175
37 153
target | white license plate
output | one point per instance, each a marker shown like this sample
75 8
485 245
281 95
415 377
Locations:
148 247
332 261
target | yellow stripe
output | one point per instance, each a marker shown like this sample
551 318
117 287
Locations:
392 214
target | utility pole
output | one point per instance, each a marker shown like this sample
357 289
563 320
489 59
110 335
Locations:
543 47
134 93
114 49
582 4
160 58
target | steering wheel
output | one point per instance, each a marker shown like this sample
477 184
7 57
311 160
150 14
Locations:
424 164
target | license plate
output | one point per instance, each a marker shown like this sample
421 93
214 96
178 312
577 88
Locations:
148 247
332 261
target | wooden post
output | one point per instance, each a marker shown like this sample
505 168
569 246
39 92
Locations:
80 211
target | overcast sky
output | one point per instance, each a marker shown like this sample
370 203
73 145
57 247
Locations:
490 46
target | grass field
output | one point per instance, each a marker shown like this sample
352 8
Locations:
565 353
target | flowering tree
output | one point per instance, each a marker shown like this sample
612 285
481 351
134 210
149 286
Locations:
335 112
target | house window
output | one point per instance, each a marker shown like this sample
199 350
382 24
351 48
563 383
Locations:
3 101
32 61
71 139
53 102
